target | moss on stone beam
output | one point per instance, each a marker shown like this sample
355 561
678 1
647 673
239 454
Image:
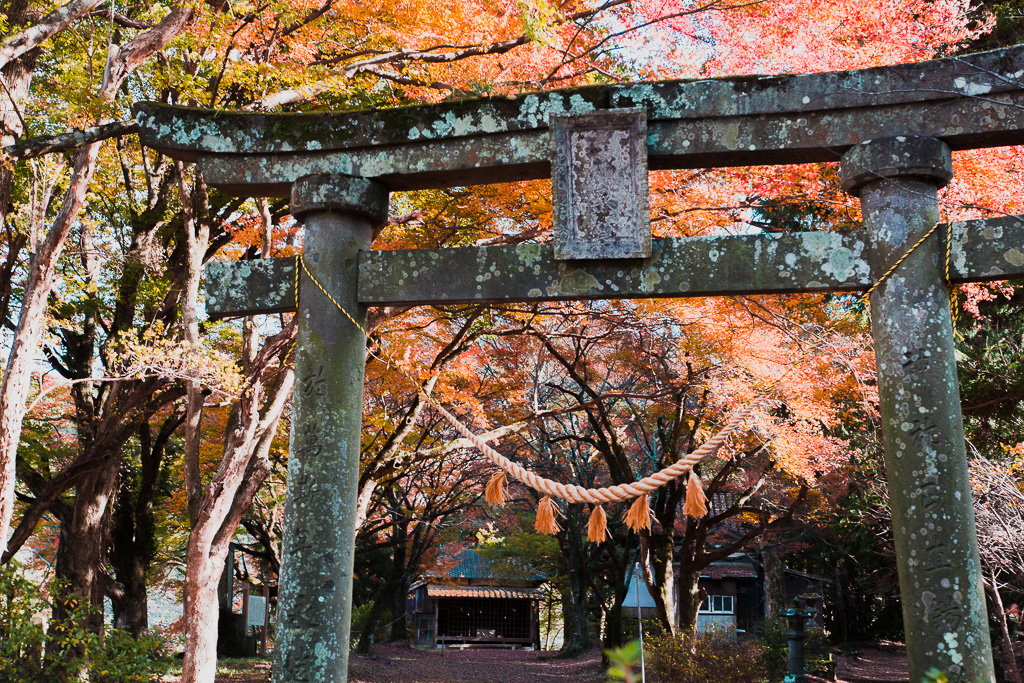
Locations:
703 266
184 132
968 102
237 288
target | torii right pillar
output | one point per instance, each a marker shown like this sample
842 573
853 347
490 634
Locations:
944 616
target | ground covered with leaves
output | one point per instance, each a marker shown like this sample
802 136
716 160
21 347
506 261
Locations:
403 664
868 662
882 661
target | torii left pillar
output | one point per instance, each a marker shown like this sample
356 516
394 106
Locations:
315 599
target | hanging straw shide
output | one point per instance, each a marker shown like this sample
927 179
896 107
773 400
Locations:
546 511
639 515
597 527
696 504
496 493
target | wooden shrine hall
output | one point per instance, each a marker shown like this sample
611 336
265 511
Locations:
475 604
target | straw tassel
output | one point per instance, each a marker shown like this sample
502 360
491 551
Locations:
496 493
639 515
545 522
597 527
696 501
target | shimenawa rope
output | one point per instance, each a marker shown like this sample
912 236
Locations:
639 514
570 492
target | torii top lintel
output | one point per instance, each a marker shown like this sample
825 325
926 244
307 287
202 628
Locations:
969 102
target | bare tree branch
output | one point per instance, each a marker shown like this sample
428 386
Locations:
48 144
50 25
429 56
120 19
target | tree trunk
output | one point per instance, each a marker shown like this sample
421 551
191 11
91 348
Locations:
42 271
574 617
840 623
997 601
380 602
121 62
216 509
774 581
661 579
399 629
549 600
201 614
389 593
81 550
16 77
574 594
690 598
132 534
129 560
613 621
574 602
208 546
399 571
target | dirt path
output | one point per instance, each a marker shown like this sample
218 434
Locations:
884 662
874 662
403 664
866 663
398 664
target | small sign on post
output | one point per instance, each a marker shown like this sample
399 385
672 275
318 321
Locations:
257 611
599 185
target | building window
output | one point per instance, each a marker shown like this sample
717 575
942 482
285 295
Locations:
717 604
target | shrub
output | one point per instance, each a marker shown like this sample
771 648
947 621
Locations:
21 640
124 659
713 656
652 627
381 632
115 658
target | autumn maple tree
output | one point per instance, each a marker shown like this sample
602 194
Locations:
103 244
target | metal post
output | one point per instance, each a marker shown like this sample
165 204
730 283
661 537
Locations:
266 619
640 622
315 588
245 610
897 180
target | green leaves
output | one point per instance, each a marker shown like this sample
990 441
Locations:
622 661
30 653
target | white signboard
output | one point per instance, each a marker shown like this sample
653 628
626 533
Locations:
257 610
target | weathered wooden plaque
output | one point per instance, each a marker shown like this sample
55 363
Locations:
599 185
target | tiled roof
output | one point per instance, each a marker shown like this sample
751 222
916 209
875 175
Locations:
471 565
720 502
729 570
483 592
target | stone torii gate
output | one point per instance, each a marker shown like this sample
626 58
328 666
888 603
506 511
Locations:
892 128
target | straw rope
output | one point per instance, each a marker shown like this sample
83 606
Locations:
549 487
620 492
606 494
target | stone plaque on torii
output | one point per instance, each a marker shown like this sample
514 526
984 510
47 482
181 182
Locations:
892 128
